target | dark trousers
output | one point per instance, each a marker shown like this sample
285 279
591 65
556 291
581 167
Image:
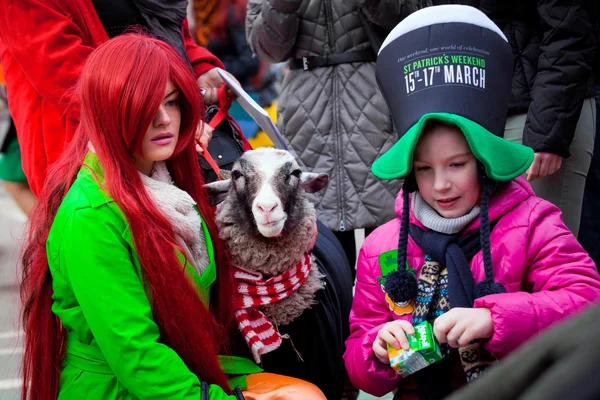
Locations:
348 242
589 230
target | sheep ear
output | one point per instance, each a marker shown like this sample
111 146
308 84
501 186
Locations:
217 191
312 182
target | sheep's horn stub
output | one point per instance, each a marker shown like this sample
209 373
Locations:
217 191
312 182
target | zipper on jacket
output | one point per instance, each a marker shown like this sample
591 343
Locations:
338 144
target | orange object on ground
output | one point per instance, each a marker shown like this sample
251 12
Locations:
266 386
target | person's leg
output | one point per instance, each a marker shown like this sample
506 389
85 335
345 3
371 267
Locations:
589 229
13 178
266 386
22 195
565 187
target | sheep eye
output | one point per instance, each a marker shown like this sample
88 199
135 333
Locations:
297 173
235 175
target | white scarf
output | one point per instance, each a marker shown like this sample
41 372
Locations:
178 208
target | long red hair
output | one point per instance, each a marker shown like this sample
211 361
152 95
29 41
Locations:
120 89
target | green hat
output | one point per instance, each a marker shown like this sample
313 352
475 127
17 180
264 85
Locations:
449 63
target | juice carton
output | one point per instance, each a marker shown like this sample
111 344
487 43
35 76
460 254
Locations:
424 351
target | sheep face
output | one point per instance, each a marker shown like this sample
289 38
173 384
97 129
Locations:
267 183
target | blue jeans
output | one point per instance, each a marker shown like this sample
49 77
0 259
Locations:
589 230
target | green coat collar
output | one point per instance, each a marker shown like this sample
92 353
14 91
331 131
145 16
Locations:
92 174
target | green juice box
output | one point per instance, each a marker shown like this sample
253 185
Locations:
424 351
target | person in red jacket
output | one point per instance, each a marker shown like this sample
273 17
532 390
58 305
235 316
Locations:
44 45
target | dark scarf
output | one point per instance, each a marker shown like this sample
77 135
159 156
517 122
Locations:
446 282
165 18
453 252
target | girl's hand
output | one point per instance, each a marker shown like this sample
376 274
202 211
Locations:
393 333
459 326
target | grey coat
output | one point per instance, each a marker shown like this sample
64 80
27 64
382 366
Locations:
334 118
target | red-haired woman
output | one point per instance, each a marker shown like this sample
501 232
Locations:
126 286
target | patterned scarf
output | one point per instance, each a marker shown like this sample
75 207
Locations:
440 287
254 291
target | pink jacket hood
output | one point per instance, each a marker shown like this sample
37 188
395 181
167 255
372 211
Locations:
547 274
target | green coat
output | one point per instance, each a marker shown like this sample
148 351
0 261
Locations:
113 348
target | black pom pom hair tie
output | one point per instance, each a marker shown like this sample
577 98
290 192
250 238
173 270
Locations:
402 285
487 286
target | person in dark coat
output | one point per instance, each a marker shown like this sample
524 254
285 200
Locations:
589 232
552 108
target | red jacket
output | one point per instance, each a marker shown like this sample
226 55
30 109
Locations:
43 47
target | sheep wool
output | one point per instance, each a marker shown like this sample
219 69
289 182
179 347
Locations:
272 256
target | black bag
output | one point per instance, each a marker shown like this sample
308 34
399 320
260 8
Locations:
225 147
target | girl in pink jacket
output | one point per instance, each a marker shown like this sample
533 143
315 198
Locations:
473 250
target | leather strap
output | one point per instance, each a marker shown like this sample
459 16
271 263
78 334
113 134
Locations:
309 63
224 105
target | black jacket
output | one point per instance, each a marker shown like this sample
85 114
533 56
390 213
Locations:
553 42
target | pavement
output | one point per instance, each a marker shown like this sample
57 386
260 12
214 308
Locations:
12 221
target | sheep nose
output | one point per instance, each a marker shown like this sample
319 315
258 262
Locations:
267 208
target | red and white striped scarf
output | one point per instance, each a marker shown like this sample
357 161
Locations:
253 291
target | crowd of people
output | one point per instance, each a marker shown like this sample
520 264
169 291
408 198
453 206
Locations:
459 135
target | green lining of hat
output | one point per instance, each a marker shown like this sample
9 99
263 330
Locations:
503 160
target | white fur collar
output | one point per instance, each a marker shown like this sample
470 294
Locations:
178 207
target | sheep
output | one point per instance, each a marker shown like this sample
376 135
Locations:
267 224
266 212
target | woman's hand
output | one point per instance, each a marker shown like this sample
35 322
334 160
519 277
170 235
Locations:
203 136
211 81
393 333
544 164
459 326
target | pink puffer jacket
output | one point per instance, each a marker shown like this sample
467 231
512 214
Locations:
548 276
